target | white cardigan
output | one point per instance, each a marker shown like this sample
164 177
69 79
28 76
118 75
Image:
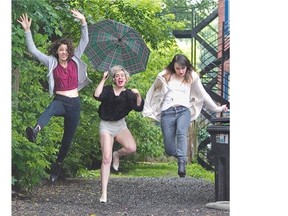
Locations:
198 98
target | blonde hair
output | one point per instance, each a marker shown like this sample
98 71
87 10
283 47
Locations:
117 68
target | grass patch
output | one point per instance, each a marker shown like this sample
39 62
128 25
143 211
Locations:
147 169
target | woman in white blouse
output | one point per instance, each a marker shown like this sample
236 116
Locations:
175 99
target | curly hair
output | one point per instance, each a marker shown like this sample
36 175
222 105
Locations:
117 68
56 44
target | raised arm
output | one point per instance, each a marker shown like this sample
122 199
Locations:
25 22
79 16
100 86
84 33
138 97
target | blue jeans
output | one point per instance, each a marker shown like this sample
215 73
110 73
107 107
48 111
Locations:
66 107
175 122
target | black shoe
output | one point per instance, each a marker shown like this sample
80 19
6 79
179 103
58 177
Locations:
55 172
182 169
30 134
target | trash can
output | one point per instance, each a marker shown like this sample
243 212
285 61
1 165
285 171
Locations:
220 142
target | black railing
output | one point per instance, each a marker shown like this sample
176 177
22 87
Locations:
214 53
215 80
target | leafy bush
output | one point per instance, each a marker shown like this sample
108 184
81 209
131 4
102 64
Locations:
30 161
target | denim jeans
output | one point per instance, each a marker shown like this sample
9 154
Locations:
66 107
175 122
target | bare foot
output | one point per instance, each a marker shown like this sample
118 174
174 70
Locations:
115 163
103 199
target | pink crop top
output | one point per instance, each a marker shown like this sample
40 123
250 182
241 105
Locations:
66 78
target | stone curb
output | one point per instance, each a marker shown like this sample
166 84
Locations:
220 205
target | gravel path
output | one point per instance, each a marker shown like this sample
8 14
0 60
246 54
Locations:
126 196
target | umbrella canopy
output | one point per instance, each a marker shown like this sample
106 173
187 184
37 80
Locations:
114 43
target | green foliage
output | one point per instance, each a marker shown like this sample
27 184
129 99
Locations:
85 147
51 20
148 136
28 162
184 10
142 15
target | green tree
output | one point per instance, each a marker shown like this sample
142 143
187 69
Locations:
51 20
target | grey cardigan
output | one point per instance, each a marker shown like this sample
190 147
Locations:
51 62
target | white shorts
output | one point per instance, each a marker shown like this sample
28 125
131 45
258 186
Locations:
112 127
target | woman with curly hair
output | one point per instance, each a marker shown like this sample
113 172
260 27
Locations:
67 75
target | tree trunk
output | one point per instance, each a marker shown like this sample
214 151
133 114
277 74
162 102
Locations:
15 85
192 142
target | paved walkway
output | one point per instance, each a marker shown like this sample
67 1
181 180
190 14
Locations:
126 196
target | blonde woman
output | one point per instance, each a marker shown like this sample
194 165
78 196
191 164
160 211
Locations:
116 103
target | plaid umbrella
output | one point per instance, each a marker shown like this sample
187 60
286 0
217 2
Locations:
113 43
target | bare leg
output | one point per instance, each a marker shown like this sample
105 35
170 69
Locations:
128 144
106 147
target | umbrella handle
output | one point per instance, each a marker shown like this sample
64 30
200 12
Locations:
112 59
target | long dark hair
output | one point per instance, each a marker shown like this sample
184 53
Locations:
56 44
182 60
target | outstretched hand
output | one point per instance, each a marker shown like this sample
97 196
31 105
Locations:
25 22
224 108
78 15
